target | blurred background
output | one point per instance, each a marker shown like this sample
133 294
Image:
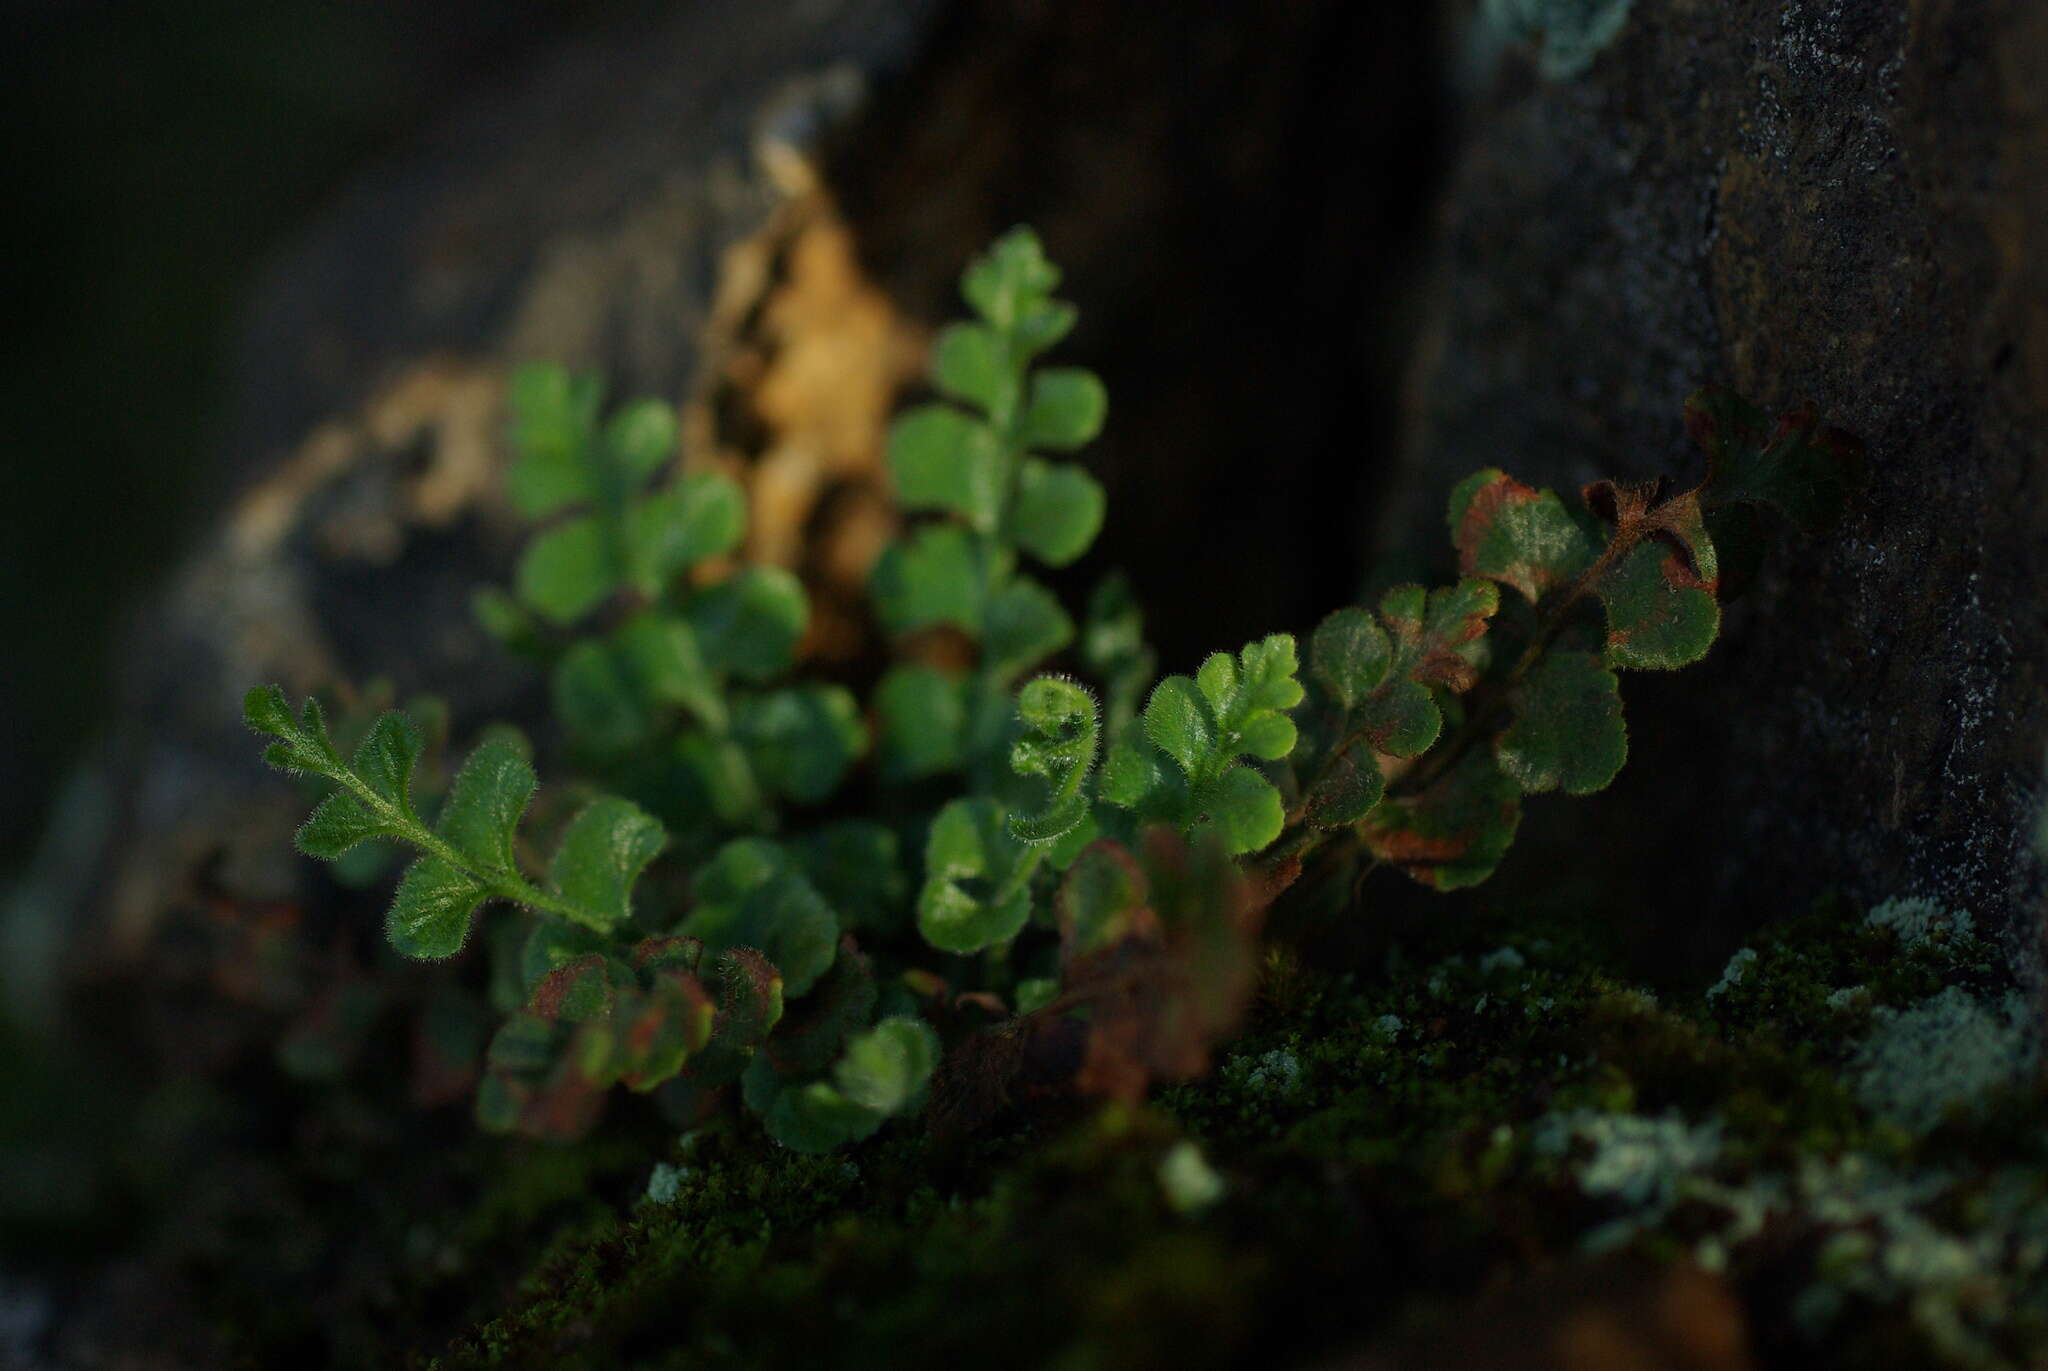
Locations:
166 155
159 152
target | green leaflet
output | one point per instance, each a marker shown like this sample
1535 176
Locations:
812 1118
1350 656
1065 411
800 740
1113 648
1233 707
750 1007
338 825
817 1027
752 894
553 945
1010 287
638 1018
723 776
602 854
1507 532
883 1072
943 459
938 576
923 722
1378 678
1455 832
625 536
857 866
569 570
1101 891
970 362
1024 626
1243 808
553 422
1567 732
885 1068
976 892
614 693
481 818
577 991
1439 637
1657 619
429 914
749 624
1178 722
701 516
1344 790
1139 777
1058 510
386 757
303 745
641 438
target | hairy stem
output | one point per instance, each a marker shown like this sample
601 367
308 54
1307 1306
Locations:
507 885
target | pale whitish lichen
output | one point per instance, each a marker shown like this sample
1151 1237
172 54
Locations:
1275 1073
665 1182
1849 997
1958 1281
1888 1242
1642 1162
1945 1052
1571 32
1732 974
1964 1255
1501 959
1918 921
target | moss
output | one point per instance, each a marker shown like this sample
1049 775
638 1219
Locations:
1372 1148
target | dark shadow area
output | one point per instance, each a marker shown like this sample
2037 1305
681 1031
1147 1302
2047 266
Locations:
1238 203
160 149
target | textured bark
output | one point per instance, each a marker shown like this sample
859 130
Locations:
1809 201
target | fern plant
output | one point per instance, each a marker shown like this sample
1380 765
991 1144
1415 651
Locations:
1097 853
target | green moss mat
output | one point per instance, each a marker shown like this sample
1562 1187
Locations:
1846 1128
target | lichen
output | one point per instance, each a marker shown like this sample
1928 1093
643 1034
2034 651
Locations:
1732 974
1634 1159
664 1182
1920 922
1571 32
1277 1072
1949 1050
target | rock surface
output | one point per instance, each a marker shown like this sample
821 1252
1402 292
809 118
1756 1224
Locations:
1810 201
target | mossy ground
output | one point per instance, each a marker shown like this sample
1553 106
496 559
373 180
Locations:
1388 1146
1844 1131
